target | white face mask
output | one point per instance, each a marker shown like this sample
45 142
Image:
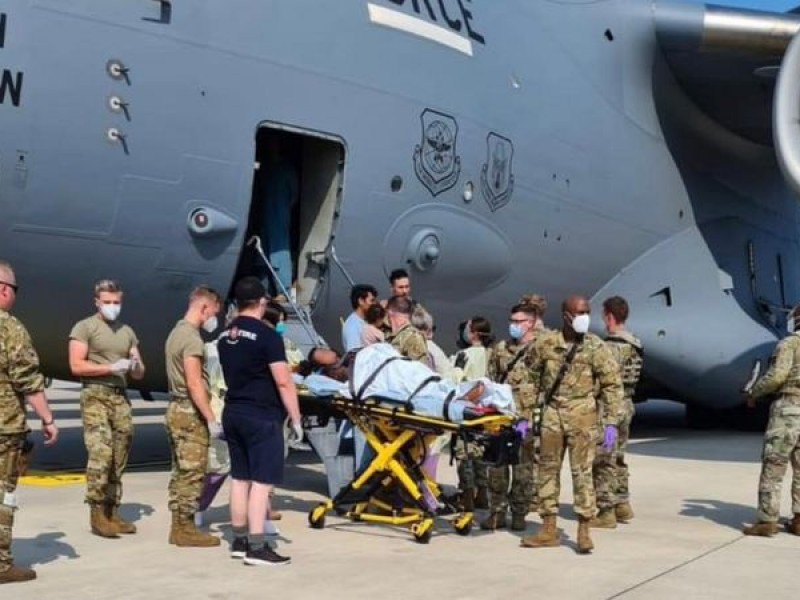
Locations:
580 324
210 325
790 324
110 312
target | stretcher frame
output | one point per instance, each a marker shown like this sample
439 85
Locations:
392 434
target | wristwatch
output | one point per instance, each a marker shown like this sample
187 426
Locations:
47 424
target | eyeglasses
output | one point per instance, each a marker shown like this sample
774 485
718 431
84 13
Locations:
13 286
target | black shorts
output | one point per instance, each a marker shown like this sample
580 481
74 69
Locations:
255 443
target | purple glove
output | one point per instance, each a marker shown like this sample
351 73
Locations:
609 437
523 428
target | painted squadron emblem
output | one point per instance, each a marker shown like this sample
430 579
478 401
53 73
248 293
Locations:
435 160
497 180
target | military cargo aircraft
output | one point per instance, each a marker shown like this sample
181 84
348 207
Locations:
492 148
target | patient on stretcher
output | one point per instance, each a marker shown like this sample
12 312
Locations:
380 372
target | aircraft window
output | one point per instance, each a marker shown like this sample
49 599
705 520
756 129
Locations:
397 183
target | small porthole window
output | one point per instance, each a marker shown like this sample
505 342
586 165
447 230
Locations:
397 183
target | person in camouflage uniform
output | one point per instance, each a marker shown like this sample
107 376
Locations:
406 339
103 352
581 386
782 438
507 365
610 470
190 421
469 364
20 381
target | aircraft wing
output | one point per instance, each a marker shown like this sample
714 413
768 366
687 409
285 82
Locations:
742 68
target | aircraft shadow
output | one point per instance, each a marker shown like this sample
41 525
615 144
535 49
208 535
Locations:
42 549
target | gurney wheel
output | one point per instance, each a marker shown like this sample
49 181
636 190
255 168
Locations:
463 526
316 518
423 531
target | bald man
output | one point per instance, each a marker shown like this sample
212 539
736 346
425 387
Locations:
575 374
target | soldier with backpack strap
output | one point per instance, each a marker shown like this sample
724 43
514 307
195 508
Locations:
582 388
610 470
515 486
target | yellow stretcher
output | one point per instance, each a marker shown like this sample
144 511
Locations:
394 489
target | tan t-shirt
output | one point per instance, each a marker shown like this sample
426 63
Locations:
107 342
184 340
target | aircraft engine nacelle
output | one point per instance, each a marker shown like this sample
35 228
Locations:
786 115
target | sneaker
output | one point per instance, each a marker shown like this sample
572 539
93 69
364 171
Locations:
265 556
239 547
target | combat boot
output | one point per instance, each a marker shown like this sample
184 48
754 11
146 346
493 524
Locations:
605 519
761 529
624 512
793 526
112 514
585 545
496 520
518 522
184 534
482 498
100 523
16 574
547 537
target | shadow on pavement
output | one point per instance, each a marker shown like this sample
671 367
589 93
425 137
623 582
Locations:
44 548
135 511
728 514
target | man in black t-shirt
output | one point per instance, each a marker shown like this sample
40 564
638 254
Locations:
260 393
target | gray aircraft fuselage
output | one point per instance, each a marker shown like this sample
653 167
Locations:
542 147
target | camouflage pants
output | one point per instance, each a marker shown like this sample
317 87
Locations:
781 445
472 471
188 440
574 430
611 470
522 476
107 434
10 452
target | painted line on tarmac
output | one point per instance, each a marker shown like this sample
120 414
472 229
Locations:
49 480
676 568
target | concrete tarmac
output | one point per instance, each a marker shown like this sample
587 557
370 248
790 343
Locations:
692 492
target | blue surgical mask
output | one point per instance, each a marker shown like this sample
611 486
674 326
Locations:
280 328
516 331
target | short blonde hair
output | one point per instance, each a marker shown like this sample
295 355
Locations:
204 292
107 285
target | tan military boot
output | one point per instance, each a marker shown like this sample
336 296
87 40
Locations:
184 534
761 529
16 574
793 526
518 522
112 514
624 512
482 498
585 544
605 519
100 523
548 536
494 521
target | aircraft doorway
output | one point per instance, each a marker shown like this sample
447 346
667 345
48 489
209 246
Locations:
296 194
